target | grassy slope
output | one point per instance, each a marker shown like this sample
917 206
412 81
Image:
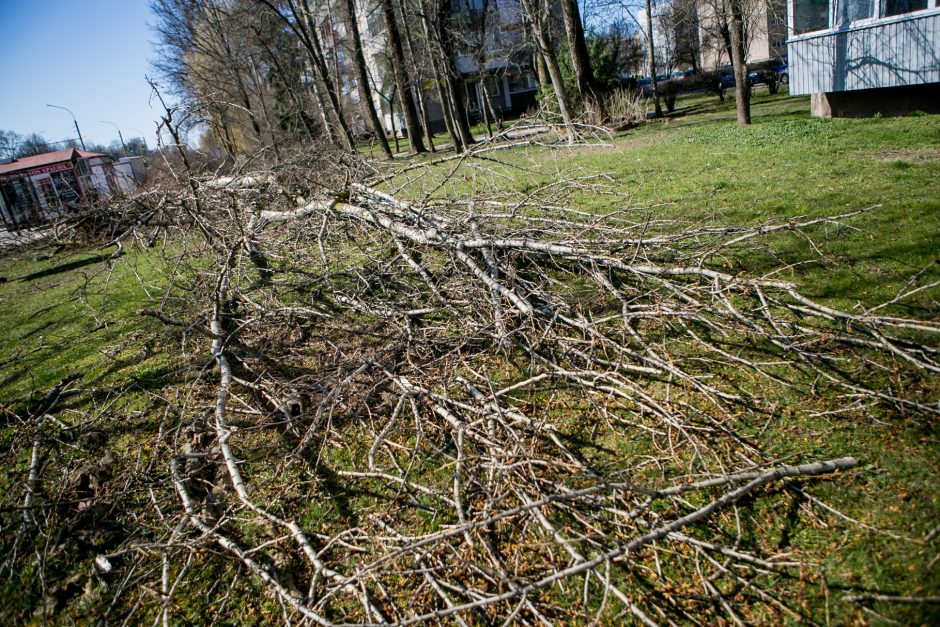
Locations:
698 167
67 314
701 167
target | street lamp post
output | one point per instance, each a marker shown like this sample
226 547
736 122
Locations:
121 137
81 141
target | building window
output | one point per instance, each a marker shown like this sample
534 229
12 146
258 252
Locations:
848 11
521 81
18 200
47 192
494 85
810 15
899 7
66 186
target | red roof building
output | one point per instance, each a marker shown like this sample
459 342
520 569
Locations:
37 188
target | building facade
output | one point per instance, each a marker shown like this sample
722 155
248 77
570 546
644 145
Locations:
860 57
492 59
37 188
765 31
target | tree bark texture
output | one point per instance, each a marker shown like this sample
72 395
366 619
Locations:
651 55
581 62
417 91
301 23
397 58
536 14
440 84
742 91
316 51
362 77
455 86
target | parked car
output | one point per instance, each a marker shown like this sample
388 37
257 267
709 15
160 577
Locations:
726 77
645 83
683 75
783 74
760 77
765 73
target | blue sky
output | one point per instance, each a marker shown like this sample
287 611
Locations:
87 55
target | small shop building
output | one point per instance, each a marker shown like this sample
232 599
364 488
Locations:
39 188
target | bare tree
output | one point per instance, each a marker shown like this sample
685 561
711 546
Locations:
615 50
651 56
440 68
679 20
400 73
9 144
477 26
417 76
362 76
537 12
581 62
209 53
742 89
32 144
443 36
285 67
299 17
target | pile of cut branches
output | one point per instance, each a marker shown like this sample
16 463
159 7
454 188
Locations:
489 411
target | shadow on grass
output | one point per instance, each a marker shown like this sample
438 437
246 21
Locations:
65 267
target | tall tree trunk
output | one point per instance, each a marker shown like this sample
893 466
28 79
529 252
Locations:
458 89
536 18
287 80
418 92
742 91
401 79
337 78
246 103
455 85
541 73
362 78
316 50
581 62
439 82
216 21
651 54
558 83
220 129
391 115
319 101
302 25
259 87
483 98
726 36
448 114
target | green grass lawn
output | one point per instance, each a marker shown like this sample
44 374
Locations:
698 167
73 314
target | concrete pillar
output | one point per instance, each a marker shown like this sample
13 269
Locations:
819 105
